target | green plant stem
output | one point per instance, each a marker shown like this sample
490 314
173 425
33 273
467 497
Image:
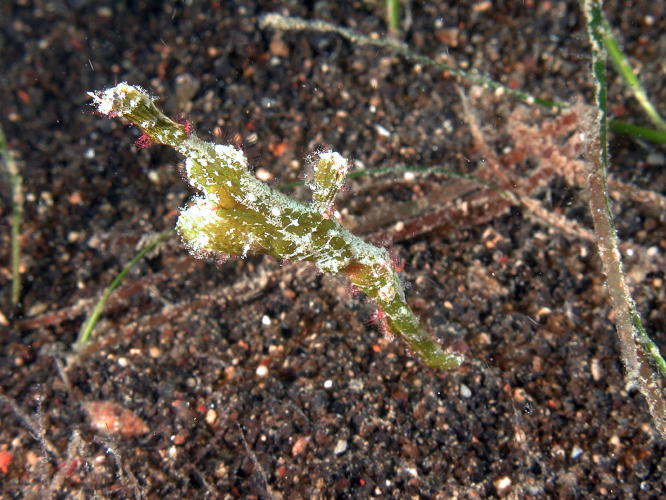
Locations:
626 316
286 23
89 324
637 131
621 64
393 15
376 172
16 183
297 24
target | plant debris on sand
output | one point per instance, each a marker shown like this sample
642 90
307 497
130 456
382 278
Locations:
260 379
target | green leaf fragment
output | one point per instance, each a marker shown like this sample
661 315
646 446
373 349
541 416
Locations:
235 213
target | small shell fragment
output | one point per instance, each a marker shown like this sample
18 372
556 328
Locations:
111 418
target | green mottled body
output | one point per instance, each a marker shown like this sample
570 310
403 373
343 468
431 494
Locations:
238 214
